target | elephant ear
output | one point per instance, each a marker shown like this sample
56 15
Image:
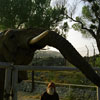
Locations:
9 45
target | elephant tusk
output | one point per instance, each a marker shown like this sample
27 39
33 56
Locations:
39 37
6 32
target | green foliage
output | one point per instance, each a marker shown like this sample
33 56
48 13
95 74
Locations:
89 14
93 20
13 12
30 13
89 20
86 12
94 60
97 61
95 7
90 0
65 26
78 18
93 26
67 77
76 27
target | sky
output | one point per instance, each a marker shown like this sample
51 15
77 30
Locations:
80 43
76 38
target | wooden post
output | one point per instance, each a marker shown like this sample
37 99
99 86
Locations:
32 81
7 86
14 84
98 93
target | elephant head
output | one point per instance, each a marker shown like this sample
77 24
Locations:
18 46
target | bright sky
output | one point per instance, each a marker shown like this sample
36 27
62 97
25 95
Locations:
80 43
76 38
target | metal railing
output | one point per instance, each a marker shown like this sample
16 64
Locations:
11 75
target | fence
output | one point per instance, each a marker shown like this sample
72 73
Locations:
11 73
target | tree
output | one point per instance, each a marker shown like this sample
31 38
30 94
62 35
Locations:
13 13
89 22
30 13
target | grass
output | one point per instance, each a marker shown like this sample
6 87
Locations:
69 77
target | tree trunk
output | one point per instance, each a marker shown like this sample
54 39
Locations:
98 43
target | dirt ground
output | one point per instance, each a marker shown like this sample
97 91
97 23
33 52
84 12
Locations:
28 96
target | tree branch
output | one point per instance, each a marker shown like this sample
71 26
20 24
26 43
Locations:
82 26
97 16
98 30
96 13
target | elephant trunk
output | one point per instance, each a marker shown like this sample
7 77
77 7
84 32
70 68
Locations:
71 54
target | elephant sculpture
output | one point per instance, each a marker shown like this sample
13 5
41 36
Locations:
18 46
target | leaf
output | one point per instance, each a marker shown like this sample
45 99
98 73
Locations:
93 20
65 26
95 7
86 12
32 13
93 26
76 27
78 18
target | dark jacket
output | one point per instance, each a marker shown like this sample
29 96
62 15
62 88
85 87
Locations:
46 96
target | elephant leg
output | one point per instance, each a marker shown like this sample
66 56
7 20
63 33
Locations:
2 77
